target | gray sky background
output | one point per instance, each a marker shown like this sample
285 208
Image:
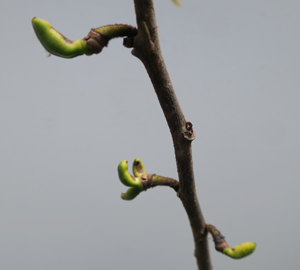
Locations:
66 125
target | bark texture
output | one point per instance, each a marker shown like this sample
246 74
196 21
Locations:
153 180
147 49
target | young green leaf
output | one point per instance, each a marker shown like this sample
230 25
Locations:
138 168
126 178
56 43
240 251
131 193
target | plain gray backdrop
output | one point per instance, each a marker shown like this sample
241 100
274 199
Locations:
67 123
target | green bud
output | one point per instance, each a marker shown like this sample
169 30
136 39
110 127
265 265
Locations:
240 251
126 178
56 43
131 193
138 168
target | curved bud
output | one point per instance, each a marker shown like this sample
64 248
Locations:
130 194
56 43
126 178
240 251
138 168
177 3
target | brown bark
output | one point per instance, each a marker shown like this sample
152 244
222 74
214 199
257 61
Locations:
219 239
153 180
147 49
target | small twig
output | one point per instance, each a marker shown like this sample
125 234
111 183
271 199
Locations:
153 180
218 238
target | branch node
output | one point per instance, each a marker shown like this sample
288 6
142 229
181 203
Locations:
189 132
95 42
128 42
147 181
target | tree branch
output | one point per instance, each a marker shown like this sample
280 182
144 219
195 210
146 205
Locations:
147 49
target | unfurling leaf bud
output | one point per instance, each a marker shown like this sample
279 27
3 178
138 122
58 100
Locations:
138 168
240 251
130 194
126 178
56 43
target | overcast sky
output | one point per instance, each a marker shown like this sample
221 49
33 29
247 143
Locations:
67 123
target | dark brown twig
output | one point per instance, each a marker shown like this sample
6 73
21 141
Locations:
147 49
153 180
219 239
